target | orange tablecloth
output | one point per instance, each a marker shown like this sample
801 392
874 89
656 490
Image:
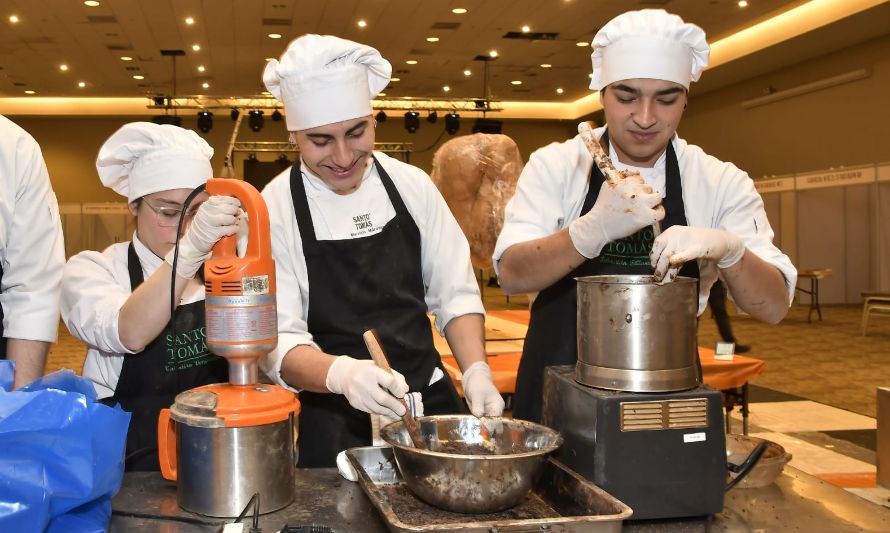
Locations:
718 374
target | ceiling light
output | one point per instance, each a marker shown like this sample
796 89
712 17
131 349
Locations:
269 58
412 121
411 62
276 116
452 123
432 39
126 58
256 120
516 82
381 94
590 75
743 3
432 117
196 47
559 90
546 65
189 20
468 72
361 24
395 79
205 85
205 121
91 3
201 68
30 92
446 88
266 93
493 53
275 36
526 29
138 77
233 114
81 84
458 11
63 67
582 43
380 117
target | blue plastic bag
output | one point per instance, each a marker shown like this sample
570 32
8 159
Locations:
61 456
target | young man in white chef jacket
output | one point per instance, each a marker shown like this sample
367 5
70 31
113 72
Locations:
566 221
362 240
31 255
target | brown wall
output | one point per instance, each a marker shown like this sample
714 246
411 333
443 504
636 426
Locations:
844 125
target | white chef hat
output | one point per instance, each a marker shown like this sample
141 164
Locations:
650 43
143 158
322 79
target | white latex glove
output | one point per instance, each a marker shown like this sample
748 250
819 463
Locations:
367 387
481 394
415 405
679 244
216 219
620 210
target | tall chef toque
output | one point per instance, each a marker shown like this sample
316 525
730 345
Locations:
650 43
322 79
143 158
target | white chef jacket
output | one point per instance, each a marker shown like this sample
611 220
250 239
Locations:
31 247
451 288
551 190
95 287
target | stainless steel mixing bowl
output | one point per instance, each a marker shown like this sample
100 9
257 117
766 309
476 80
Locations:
472 483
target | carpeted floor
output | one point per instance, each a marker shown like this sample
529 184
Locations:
829 361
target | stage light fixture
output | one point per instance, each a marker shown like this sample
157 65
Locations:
380 116
276 116
452 123
256 120
234 114
412 121
432 117
205 121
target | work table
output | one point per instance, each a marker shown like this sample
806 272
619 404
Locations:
797 502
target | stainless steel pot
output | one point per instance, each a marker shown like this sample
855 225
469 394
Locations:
224 443
635 334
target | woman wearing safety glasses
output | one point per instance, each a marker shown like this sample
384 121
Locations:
118 301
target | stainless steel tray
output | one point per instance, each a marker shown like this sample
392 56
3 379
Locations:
562 501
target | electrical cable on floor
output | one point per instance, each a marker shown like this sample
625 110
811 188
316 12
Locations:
149 516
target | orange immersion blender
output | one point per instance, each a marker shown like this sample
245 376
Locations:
226 442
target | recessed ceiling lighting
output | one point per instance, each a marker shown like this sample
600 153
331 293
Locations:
201 68
559 90
269 58
30 92
546 65
468 72
205 85
266 93
458 11
582 43
411 62
81 84
381 94
189 20
275 36
91 3
590 75
361 23
395 79
14 19
138 77
493 53
743 3
446 88
196 47
526 29
516 82
432 39
126 58
63 67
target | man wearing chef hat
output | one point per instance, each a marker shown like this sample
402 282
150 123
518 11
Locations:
118 301
566 221
31 255
361 241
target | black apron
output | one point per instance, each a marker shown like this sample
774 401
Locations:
151 379
2 338
356 284
552 330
